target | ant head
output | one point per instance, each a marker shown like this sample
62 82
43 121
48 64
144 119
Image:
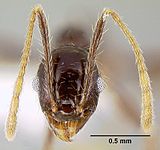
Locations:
68 71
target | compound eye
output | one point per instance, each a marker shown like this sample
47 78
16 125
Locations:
35 84
101 84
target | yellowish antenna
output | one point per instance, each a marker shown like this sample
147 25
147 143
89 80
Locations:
147 110
12 117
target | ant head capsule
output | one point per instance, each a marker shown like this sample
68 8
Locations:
68 69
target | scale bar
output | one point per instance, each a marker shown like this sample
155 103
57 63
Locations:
120 135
